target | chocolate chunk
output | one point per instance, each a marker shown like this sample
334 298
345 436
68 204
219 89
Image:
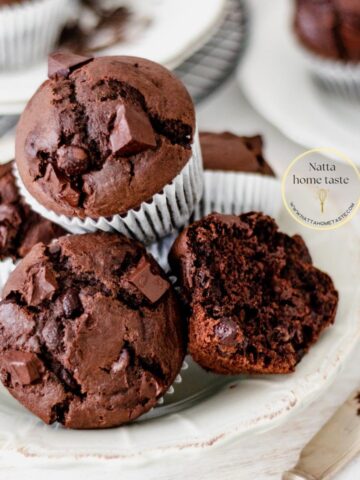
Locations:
61 186
42 286
227 331
73 160
71 303
24 367
151 285
132 132
61 64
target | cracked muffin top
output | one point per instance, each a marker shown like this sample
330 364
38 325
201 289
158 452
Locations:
330 28
90 341
20 227
103 135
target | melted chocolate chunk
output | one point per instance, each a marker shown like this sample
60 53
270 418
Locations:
73 160
61 64
62 187
71 303
132 132
151 285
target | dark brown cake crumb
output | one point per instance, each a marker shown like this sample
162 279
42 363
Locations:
20 227
83 343
256 303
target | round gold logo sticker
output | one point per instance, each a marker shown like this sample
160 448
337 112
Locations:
319 192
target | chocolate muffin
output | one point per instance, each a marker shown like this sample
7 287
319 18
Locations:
11 2
329 28
110 24
91 331
229 152
103 135
256 303
20 227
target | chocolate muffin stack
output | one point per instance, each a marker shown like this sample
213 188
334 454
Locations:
93 331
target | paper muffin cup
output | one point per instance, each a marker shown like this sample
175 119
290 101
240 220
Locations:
6 267
335 76
154 219
234 193
29 30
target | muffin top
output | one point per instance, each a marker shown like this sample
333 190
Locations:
103 135
256 302
20 227
329 28
96 335
230 152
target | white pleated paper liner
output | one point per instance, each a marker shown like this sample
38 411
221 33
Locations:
29 30
6 267
234 193
166 212
335 76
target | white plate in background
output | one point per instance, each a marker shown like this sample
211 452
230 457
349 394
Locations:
275 80
177 29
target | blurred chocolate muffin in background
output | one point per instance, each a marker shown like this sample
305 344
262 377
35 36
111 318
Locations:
9 2
329 28
99 25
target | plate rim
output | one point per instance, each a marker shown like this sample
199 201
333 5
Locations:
287 404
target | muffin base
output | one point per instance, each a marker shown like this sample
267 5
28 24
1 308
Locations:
153 219
335 76
233 193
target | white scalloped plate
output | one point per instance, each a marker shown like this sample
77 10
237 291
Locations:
178 28
277 83
207 416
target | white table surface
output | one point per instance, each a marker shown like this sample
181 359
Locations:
261 457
